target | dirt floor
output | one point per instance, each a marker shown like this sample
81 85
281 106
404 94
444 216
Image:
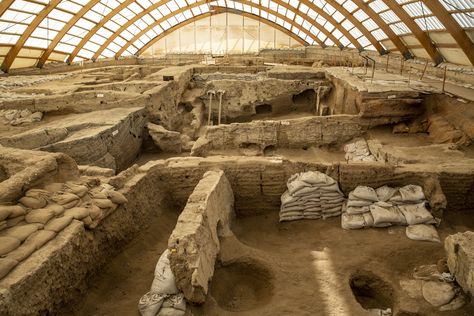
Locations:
119 286
296 268
310 264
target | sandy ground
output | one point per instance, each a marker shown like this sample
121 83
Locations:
296 268
119 286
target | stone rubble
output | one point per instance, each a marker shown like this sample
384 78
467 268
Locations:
358 150
19 117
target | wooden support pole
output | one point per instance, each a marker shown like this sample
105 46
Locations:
373 71
402 61
424 70
386 66
444 79
318 99
210 93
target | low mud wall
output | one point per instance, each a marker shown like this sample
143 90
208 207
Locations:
259 182
59 273
293 133
194 243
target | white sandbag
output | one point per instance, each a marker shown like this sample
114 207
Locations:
174 305
306 191
411 193
355 221
354 202
316 178
164 281
383 215
296 208
150 303
422 232
329 215
332 210
357 210
369 219
330 188
385 192
365 193
295 186
416 214
291 218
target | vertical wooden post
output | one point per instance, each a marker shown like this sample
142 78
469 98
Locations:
424 70
373 71
386 66
210 93
444 79
402 61
318 99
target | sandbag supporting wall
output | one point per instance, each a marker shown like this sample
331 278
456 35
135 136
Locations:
194 243
259 182
58 274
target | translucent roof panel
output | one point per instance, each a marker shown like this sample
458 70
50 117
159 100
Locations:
91 29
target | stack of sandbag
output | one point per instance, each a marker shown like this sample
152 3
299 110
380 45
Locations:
311 195
358 150
164 298
388 206
41 214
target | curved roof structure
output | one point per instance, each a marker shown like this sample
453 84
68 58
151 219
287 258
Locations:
72 30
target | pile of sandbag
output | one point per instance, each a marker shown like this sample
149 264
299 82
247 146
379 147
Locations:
164 298
358 150
18 117
388 206
43 213
311 195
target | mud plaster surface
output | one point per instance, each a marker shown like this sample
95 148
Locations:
312 261
289 252
117 289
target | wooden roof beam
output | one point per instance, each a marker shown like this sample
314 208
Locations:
422 37
387 30
453 27
13 52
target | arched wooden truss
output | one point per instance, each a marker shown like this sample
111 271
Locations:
79 30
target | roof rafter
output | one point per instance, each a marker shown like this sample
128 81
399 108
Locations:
44 57
219 10
157 22
381 23
359 25
459 35
326 16
422 37
13 52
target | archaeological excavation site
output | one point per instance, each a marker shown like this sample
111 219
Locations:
237 158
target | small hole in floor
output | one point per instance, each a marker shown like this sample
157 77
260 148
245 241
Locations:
370 291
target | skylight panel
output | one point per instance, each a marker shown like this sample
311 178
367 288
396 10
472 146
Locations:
338 16
350 6
329 42
329 9
119 41
370 24
156 14
94 16
73 40
69 6
113 47
164 10
294 3
141 24
172 6
379 34
337 34
19 17
255 11
464 20
347 24
312 14
86 53
306 25
111 25
27 6
44 33
360 15
298 20
399 28
279 21
204 8
321 36
355 32
429 23
135 8
149 20
97 39
64 48
273 6
165 25
196 11
36 42
9 39
101 9
85 24
344 41
52 24
104 32
363 41
271 17
290 15
303 8
282 10
12 27
126 35
378 6
389 16
417 9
